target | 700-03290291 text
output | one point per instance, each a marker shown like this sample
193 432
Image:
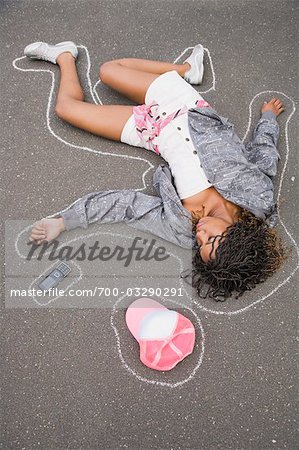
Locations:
99 292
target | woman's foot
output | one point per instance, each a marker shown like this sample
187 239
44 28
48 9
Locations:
47 52
195 60
46 230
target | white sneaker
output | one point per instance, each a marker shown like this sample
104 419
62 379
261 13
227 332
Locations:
195 74
41 50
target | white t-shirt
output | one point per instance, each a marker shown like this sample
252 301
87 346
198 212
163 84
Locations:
171 92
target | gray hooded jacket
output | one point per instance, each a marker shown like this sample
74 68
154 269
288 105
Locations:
240 173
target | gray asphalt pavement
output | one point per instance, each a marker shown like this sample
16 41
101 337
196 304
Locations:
72 378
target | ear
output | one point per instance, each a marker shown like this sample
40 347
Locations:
198 214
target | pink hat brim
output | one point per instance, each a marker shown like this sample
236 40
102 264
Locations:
137 311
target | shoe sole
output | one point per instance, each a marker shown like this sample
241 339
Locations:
198 65
201 67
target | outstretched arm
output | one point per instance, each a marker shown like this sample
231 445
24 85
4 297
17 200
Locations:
141 211
262 151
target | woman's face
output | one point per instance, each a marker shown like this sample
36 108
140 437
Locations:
210 229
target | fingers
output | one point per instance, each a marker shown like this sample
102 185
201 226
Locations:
35 234
276 102
37 238
38 241
274 105
39 229
274 99
38 233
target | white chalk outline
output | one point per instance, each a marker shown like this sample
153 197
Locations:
97 100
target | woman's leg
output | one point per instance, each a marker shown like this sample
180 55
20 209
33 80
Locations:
132 77
103 120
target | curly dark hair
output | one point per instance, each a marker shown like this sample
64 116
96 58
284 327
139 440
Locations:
249 252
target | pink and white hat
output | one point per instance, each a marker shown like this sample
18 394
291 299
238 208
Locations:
165 337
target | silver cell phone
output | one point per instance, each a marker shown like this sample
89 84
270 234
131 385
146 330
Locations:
54 277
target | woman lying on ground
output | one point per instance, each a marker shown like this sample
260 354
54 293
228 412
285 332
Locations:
214 194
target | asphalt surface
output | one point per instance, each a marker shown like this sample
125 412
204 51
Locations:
72 376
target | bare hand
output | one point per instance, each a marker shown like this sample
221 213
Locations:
46 230
274 105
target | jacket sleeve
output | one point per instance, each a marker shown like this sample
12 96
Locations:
262 151
139 210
